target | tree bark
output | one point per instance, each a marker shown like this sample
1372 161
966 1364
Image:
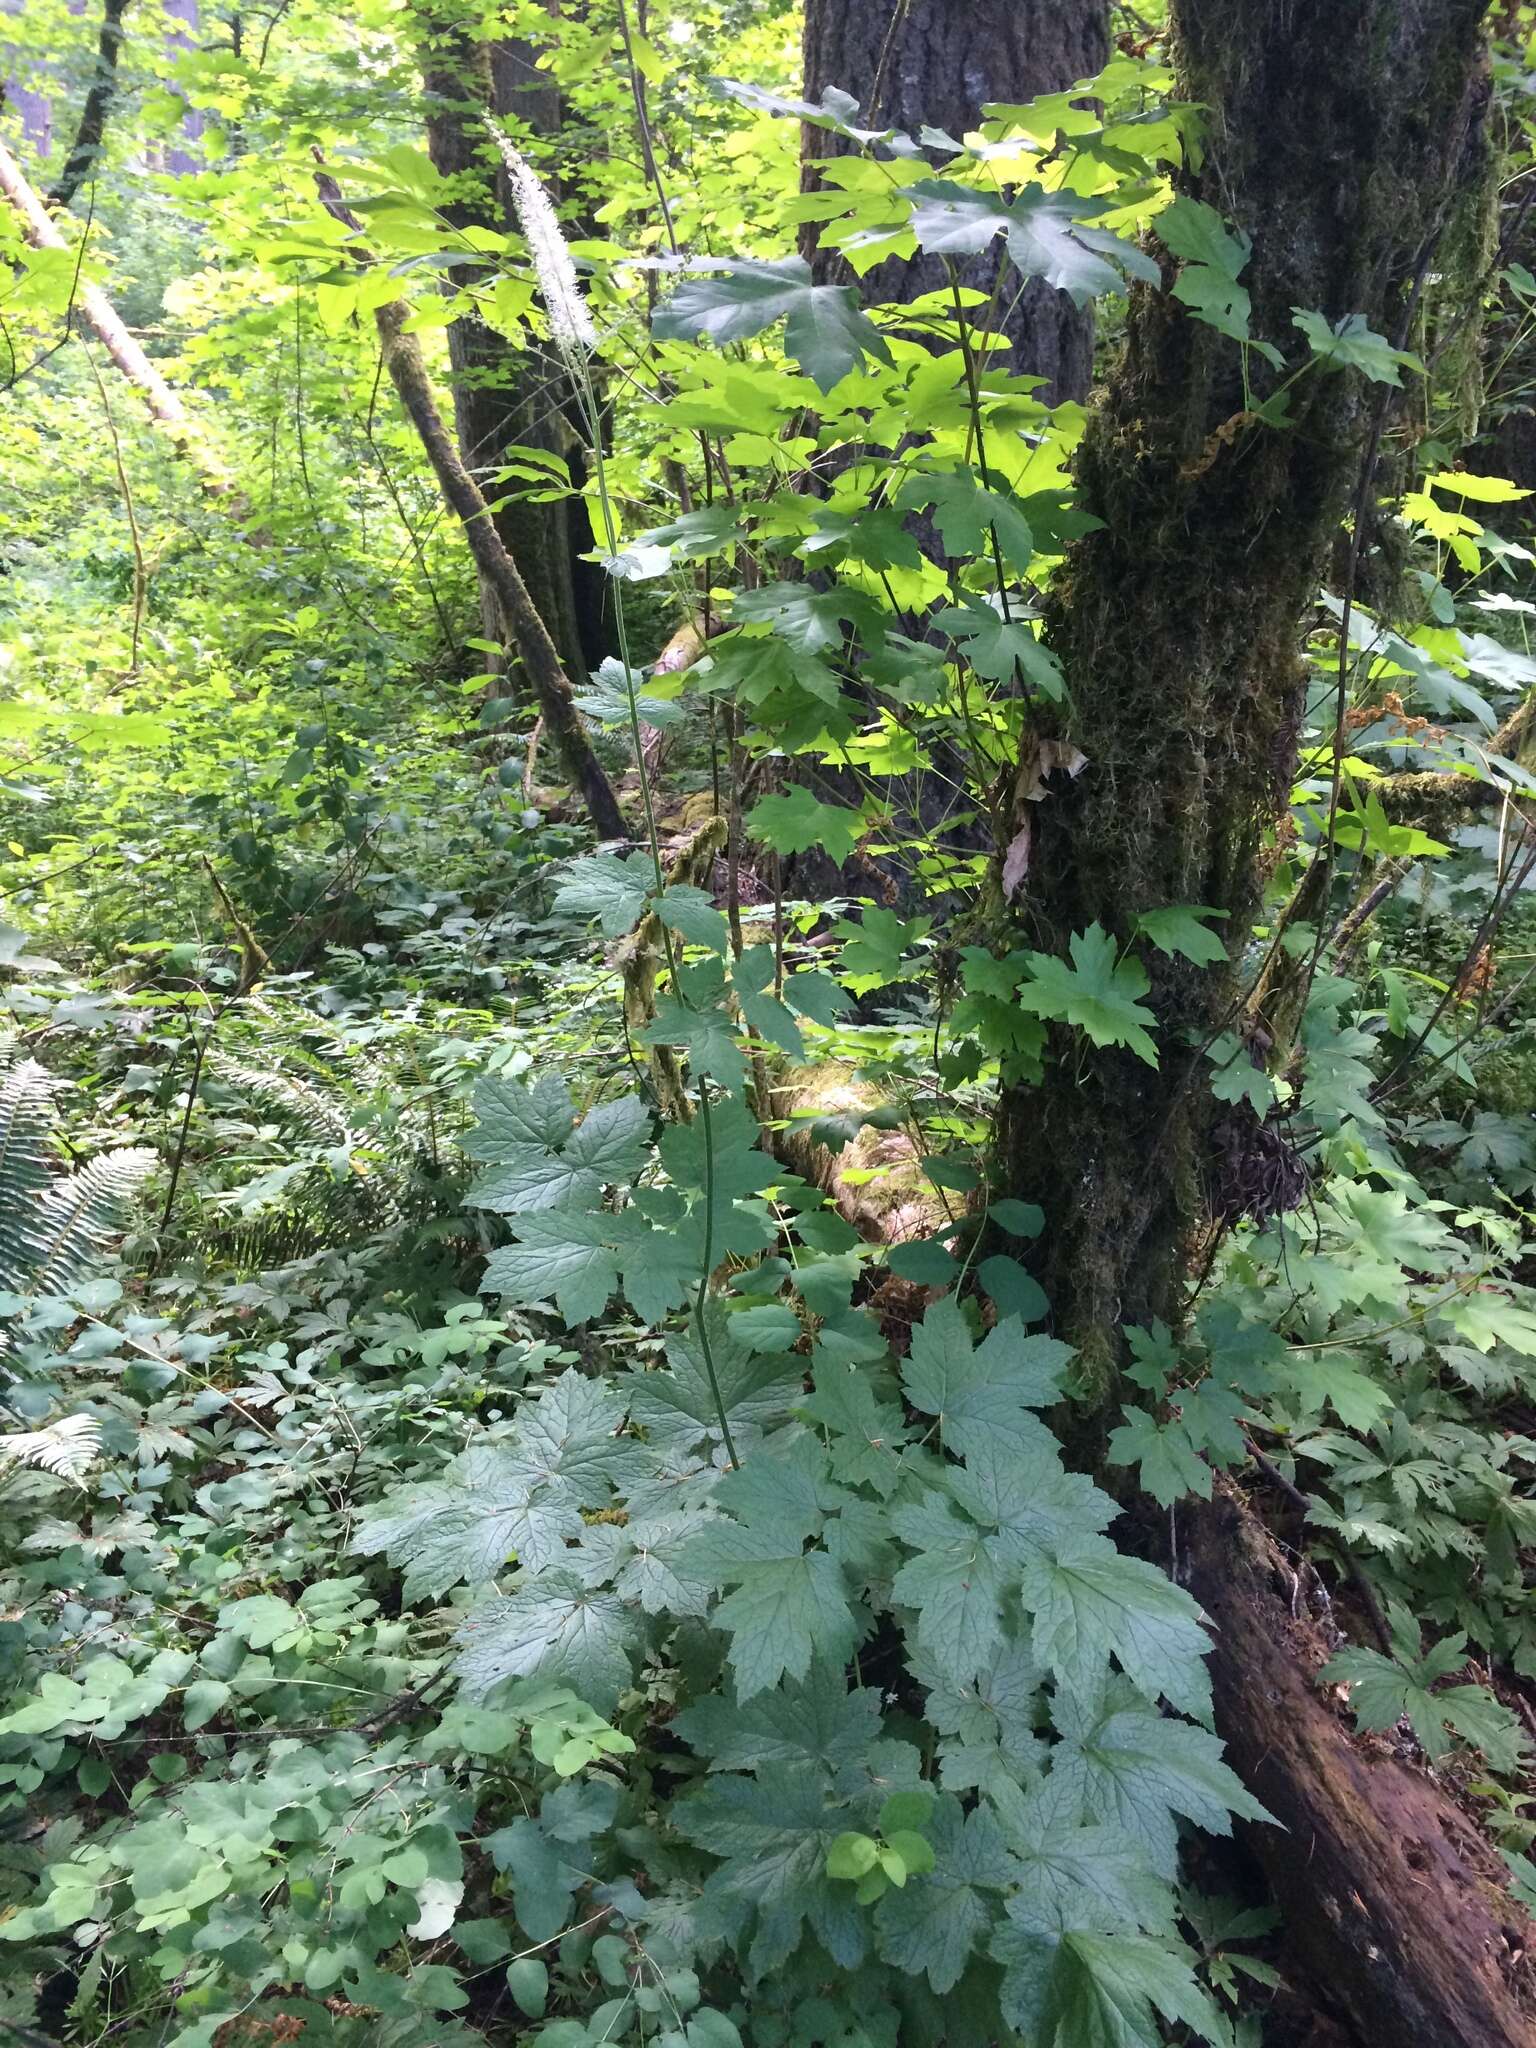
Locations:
85 151
936 62
165 408
503 395
1338 140
1393 1908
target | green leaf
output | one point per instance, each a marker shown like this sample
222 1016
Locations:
867 1434
968 515
981 1394
876 950
607 698
204 1698
565 1255
790 1605
1015 1290
1171 1467
1102 1989
608 1145
555 1629
807 619
774 1834
611 887
817 1721
1197 233
997 647
1048 234
1090 1604
934 1928
1134 1771
954 1587
825 331
850 1856
521 1498
795 822
511 1119
923 1260
528 1982
1382 1692
1097 993
1028 1498
1350 344
1179 930
692 913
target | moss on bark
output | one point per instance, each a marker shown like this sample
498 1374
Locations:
1339 138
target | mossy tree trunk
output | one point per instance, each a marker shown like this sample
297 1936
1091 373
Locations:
936 63
503 395
1340 139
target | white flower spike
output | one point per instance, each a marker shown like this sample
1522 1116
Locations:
569 320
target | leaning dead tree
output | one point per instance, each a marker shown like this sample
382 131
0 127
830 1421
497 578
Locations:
524 625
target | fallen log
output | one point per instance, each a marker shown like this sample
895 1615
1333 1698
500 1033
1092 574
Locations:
1393 1904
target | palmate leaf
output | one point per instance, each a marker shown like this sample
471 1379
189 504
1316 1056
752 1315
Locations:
825 331
610 887
983 1393
608 1145
511 1117
808 619
1048 233
1090 1604
816 1720
1102 1989
773 1834
988 1723
953 1586
1352 344
968 515
933 1928
676 1408
997 647
1097 993
796 822
555 1629
791 1604
567 1256
1382 1692
1136 1771
520 1498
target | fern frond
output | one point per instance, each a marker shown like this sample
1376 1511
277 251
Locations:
26 1126
293 1098
67 1448
68 1221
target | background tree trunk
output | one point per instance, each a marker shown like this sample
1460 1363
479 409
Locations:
1338 140
85 151
936 62
503 395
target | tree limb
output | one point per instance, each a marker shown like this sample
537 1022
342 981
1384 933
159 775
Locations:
540 658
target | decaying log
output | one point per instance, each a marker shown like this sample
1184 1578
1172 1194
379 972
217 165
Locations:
1391 1899
900 1202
